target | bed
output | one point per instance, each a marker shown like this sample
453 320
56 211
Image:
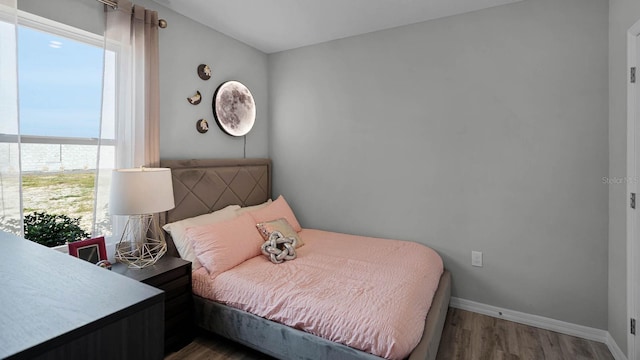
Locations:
204 186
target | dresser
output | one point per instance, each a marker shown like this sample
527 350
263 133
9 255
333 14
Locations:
55 306
173 276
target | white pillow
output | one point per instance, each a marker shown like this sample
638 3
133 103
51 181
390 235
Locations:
253 208
178 230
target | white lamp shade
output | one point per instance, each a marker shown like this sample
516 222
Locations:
141 191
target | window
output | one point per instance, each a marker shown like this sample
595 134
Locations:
65 126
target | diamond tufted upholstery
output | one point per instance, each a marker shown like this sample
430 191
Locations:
202 186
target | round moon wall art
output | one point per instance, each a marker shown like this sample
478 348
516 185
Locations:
234 108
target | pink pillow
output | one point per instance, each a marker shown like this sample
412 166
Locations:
276 210
224 245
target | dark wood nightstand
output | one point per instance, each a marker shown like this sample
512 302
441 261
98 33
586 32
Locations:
173 275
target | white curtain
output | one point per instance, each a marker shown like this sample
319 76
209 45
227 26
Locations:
10 185
130 108
132 79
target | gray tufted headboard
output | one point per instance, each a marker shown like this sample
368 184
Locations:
205 185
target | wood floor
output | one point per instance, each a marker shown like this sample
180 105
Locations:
466 335
470 335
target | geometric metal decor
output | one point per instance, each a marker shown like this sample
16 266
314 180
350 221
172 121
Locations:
142 242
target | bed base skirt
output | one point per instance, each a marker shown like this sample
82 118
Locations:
284 342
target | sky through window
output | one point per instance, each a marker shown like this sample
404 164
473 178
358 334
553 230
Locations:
60 85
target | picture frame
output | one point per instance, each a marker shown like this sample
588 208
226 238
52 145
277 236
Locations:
92 250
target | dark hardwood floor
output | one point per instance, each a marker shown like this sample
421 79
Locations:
466 335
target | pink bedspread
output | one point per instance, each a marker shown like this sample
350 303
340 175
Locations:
367 293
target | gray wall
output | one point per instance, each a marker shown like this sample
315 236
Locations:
183 46
83 14
485 131
622 15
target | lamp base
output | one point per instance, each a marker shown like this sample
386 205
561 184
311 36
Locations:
136 248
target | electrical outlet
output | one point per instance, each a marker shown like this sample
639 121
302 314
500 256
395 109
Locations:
476 258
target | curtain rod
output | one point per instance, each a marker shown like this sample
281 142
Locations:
109 3
162 23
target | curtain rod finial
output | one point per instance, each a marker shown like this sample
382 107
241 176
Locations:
162 23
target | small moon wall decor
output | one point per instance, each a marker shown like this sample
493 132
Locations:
234 108
202 126
195 99
204 71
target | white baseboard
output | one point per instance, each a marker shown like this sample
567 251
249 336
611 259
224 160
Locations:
541 322
614 348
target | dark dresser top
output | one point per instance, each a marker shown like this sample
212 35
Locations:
47 297
165 263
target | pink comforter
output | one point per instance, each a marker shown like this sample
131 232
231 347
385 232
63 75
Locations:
367 293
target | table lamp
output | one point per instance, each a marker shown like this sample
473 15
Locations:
141 193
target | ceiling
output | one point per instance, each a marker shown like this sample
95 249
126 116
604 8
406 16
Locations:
277 25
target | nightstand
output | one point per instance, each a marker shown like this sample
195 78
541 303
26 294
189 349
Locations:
173 275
